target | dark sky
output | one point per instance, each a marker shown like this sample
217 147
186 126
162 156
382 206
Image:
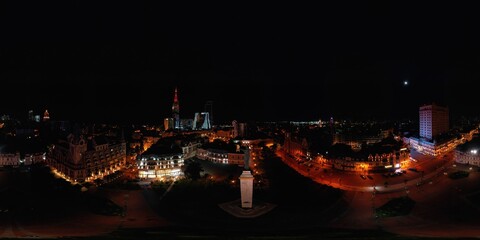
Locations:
121 61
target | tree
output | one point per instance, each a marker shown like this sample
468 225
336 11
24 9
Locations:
192 170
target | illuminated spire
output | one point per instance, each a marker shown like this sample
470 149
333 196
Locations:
176 110
175 98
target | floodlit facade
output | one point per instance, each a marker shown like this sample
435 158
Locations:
201 121
154 166
374 163
168 123
80 158
433 148
434 121
469 153
222 156
166 158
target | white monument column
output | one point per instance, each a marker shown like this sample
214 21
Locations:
246 189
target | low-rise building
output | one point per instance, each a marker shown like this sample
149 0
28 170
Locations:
222 156
434 147
223 153
160 161
9 159
384 156
469 152
373 163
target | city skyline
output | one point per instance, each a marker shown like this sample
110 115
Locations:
344 61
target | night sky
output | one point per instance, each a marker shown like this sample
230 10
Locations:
121 61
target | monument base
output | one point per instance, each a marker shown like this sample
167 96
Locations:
235 208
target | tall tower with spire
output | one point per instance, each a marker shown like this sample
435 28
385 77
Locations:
176 110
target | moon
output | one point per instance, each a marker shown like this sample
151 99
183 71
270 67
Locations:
405 83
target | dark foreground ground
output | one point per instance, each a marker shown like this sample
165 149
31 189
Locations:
190 210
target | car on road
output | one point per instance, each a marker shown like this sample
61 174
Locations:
370 177
363 176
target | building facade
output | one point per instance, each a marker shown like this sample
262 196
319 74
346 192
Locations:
373 163
434 120
433 148
80 158
469 152
201 121
157 165
222 156
15 159
295 146
9 159
168 123
165 158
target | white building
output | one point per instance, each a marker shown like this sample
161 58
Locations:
469 153
434 121
201 121
433 148
154 166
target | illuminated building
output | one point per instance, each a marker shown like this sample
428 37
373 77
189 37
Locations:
433 121
357 139
433 148
201 121
9 159
166 157
15 159
223 152
434 124
160 160
168 123
469 152
223 156
176 111
295 146
378 162
46 116
224 134
239 129
80 158
384 155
